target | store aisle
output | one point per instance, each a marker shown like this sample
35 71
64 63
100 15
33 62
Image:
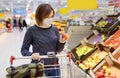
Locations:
10 44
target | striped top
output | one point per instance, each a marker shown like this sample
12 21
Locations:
43 40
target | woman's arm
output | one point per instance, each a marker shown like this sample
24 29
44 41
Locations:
60 43
26 43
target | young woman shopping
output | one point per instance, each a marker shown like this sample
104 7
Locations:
44 38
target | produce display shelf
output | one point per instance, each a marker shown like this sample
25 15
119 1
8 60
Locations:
107 68
110 18
96 57
80 58
117 56
93 59
113 40
92 39
106 24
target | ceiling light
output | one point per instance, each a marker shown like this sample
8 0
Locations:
8 9
18 1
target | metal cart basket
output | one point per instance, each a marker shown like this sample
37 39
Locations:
65 66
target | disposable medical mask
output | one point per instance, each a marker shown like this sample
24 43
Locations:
48 21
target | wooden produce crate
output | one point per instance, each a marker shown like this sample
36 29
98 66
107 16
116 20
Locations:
93 59
94 38
113 16
99 20
108 68
109 18
114 40
114 28
106 24
116 55
80 51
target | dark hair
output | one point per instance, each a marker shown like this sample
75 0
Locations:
43 11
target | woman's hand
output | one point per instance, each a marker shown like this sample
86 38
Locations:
63 38
35 56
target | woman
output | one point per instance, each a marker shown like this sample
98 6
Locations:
44 38
20 24
24 23
8 25
14 22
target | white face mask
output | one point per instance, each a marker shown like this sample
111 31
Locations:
48 21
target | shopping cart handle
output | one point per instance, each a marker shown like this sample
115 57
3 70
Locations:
69 56
11 59
50 55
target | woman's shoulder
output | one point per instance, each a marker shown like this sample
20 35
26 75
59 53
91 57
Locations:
54 27
32 27
36 27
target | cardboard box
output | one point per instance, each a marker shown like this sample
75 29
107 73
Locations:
111 65
106 24
81 45
93 39
113 38
93 59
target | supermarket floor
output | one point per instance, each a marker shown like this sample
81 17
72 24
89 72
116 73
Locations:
10 44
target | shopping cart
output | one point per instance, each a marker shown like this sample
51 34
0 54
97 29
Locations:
67 67
65 64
